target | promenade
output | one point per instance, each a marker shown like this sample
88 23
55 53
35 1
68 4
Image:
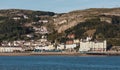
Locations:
61 54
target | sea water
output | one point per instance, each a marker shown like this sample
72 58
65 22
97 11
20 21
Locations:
59 62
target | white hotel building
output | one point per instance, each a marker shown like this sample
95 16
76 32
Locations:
94 46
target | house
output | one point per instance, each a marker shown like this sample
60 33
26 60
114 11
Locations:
95 46
70 39
70 46
11 49
44 48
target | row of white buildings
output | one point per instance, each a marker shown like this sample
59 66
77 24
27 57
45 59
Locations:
84 46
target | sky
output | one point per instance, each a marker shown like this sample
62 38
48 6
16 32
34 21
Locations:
58 6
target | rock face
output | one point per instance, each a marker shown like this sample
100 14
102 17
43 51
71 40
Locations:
73 18
67 21
66 26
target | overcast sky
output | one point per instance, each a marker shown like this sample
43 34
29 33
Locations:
58 6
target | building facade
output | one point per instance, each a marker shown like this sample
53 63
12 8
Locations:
11 49
97 46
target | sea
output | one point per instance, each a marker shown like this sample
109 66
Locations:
59 62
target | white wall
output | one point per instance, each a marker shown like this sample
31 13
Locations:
70 46
50 47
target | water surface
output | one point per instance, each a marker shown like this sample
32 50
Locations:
59 63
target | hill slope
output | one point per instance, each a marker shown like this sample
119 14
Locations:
102 23
71 19
15 24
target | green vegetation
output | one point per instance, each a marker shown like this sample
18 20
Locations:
81 28
10 30
17 29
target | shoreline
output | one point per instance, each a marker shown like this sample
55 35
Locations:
58 54
41 54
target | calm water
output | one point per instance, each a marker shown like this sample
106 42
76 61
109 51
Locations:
59 63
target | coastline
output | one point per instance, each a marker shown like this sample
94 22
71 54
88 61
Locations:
59 54
42 54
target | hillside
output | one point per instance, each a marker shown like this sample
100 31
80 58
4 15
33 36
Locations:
71 19
16 24
102 23
98 30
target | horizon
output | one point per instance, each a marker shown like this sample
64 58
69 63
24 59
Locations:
58 6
